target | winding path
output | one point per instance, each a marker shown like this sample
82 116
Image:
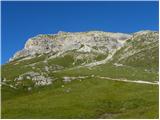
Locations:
131 81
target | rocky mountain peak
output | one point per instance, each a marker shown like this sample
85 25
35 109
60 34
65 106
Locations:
64 41
105 42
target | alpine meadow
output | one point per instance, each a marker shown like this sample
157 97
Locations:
83 75
80 59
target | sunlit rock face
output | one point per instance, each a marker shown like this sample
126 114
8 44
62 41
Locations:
45 55
65 41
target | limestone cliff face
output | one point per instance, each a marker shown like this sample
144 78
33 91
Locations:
65 41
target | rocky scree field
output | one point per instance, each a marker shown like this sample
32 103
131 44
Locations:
83 75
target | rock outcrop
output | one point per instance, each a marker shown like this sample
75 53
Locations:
64 41
44 56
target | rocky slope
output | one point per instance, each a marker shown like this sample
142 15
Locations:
45 55
98 42
83 75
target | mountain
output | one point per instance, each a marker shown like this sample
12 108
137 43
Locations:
65 65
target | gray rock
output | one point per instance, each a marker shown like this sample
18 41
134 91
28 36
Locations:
61 42
37 78
28 77
29 88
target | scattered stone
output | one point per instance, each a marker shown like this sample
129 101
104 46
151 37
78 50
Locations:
4 79
67 79
29 88
33 67
118 65
37 78
68 90
45 61
46 68
92 75
28 77
20 78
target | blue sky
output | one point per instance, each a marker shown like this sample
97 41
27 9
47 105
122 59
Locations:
22 20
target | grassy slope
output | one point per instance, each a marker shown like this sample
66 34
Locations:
91 98
146 56
109 70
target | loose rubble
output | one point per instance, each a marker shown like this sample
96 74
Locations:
37 78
